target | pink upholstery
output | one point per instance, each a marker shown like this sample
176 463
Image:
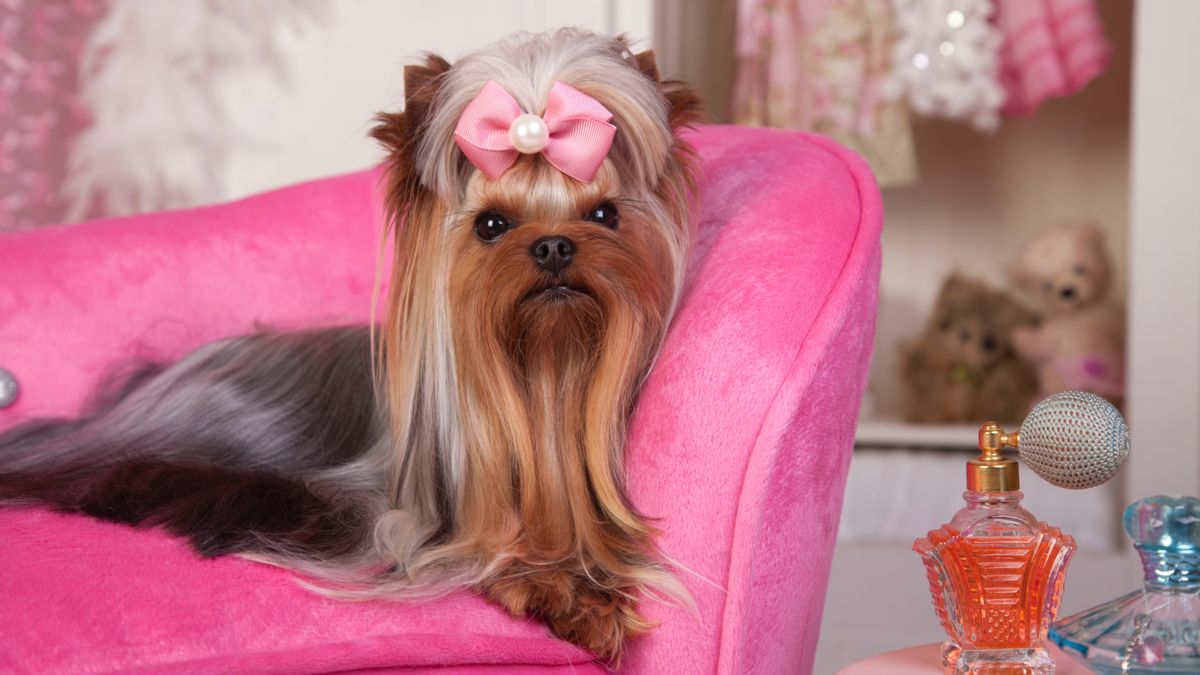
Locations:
740 442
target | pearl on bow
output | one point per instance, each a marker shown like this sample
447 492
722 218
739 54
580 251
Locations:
528 134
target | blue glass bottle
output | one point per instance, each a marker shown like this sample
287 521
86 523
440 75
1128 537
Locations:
1155 629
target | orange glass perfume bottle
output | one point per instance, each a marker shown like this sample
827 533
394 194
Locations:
996 573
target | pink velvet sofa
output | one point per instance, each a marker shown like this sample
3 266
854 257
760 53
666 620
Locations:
740 442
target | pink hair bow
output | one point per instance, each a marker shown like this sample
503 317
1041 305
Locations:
573 134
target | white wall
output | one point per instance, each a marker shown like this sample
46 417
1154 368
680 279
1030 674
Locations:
350 66
1164 322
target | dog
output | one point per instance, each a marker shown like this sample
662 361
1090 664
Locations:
538 199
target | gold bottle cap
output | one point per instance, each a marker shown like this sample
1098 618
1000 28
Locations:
992 471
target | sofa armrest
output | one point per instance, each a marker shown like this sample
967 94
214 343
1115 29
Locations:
743 433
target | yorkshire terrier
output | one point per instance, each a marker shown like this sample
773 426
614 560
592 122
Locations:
538 197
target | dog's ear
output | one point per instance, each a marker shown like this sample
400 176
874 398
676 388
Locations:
412 210
647 63
399 132
421 83
684 104
686 107
960 293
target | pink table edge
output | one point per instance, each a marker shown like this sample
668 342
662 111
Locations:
927 660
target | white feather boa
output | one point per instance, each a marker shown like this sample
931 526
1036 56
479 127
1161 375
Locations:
151 75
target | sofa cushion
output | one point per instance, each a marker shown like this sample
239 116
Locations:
78 595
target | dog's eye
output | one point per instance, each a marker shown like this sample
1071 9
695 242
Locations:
490 225
605 214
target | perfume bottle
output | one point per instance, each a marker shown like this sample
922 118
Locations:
1155 629
995 572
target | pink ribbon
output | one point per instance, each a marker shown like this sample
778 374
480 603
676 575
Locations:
579 133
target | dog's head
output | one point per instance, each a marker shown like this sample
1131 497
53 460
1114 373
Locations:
530 292
537 259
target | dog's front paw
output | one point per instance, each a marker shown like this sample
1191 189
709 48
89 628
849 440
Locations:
600 620
576 609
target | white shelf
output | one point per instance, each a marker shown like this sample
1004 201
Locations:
891 433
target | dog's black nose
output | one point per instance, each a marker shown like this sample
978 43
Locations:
552 253
1067 293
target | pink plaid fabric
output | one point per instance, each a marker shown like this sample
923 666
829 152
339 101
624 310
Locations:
1051 48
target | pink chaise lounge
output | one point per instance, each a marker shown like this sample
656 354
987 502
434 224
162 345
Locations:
740 444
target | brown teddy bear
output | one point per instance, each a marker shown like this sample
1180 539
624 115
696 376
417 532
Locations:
1080 342
962 367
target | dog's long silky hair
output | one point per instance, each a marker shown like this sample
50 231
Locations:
480 442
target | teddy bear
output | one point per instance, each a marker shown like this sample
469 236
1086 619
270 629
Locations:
1079 343
962 367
